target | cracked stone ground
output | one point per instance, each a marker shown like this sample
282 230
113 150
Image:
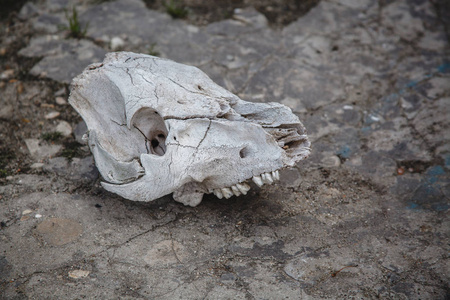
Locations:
366 216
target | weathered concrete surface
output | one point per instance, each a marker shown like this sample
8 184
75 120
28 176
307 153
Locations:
370 80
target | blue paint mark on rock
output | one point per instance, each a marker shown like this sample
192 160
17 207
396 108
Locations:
393 98
435 171
444 68
447 160
412 205
366 129
344 152
428 194
411 84
433 175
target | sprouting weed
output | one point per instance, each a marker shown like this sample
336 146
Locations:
175 9
75 29
51 136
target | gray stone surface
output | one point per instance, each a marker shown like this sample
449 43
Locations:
62 59
39 149
371 81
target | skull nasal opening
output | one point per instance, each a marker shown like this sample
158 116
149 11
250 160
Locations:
150 125
245 152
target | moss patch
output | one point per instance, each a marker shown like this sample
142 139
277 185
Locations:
6 155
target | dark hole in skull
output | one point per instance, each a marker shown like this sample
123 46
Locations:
245 152
150 125
155 143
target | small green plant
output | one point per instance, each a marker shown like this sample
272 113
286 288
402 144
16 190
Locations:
51 136
175 9
152 50
71 150
97 2
75 29
6 155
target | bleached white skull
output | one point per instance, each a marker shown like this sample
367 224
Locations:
157 127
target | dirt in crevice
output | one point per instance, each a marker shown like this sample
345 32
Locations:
279 13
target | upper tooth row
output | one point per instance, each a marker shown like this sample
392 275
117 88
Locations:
237 190
243 188
266 178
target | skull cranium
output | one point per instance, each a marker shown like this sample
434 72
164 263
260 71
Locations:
158 127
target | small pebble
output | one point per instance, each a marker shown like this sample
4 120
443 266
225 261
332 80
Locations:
60 92
60 101
104 39
79 132
38 216
331 161
37 165
7 74
117 43
52 115
6 112
46 105
400 171
64 128
20 88
78 274
27 212
374 118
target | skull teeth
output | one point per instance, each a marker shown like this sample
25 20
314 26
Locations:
218 193
268 178
227 192
276 175
258 180
242 188
235 190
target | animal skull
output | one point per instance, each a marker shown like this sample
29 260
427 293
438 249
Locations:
157 127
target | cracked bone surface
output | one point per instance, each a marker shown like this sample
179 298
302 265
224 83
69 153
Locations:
157 127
